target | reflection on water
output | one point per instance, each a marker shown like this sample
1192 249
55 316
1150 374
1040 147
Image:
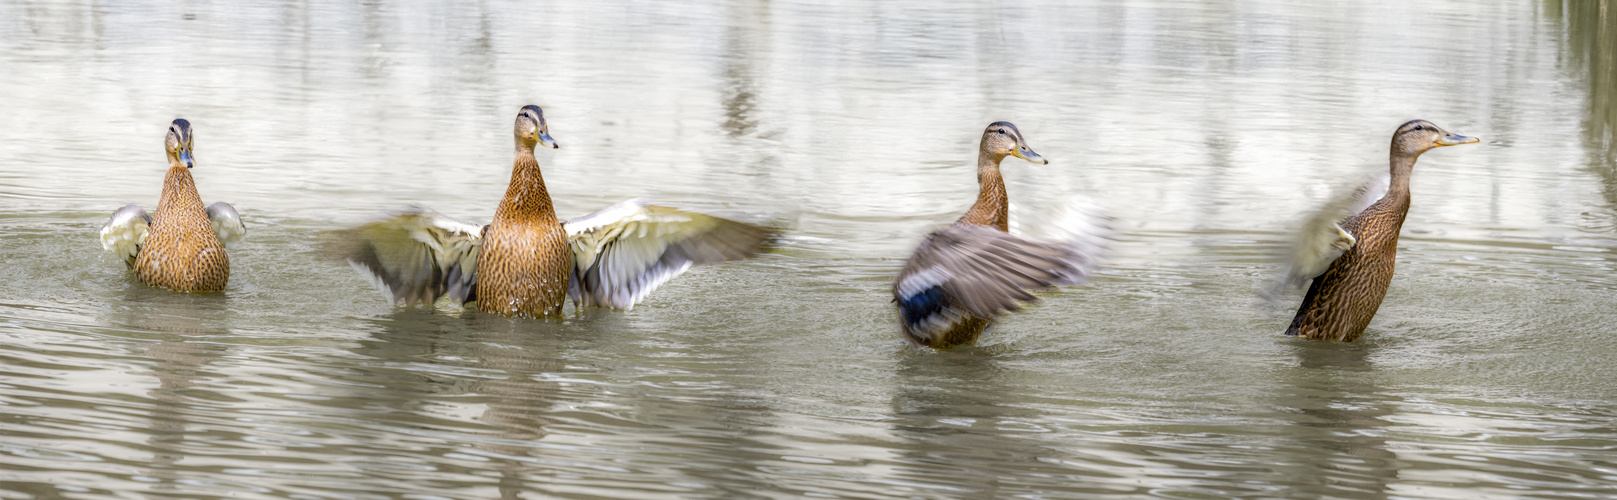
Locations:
505 362
1205 128
745 40
182 366
1345 412
1591 41
179 361
946 411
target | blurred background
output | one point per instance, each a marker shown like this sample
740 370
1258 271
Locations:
1208 129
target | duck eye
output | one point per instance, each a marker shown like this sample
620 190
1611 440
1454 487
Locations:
1418 127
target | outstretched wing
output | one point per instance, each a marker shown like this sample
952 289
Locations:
125 232
226 223
972 271
418 255
622 253
1322 239
1075 221
1368 194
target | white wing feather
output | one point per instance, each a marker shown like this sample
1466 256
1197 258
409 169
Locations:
125 232
1369 193
1075 222
226 223
1322 239
622 253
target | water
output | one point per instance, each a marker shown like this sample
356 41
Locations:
1208 130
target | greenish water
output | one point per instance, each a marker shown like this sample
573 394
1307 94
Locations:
1207 130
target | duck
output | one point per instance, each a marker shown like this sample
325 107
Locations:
179 246
1349 250
961 276
527 262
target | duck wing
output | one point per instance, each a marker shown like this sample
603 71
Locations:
1322 239
1368 193
625 251
226 223
1075 221
125 232
415 256
974 271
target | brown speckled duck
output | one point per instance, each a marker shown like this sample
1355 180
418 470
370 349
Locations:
180 246
963 275
1351 262
527 262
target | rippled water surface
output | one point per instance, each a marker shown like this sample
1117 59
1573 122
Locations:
1206 128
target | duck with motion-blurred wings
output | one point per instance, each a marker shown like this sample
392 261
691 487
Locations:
526 262
963 275
1349 248
180 246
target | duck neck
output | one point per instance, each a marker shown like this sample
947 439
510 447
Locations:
1402 166
992 207
526 199
179 191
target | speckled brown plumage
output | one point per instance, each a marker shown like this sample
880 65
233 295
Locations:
525 262
993 205
964 333
181 250
1342 300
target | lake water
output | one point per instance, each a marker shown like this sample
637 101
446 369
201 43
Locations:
1208 129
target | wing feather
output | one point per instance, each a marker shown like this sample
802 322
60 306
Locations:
125 232
973 271
417 255
1369 193
1322 239
226 223
623 252
1075 221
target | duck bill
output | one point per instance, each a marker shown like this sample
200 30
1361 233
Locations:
185 159
1454 140
545 140
1027 153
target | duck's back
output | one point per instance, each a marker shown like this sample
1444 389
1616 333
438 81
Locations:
1341 302
181 250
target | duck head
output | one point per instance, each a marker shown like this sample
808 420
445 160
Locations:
531 129
1002 139
178 144
1420 136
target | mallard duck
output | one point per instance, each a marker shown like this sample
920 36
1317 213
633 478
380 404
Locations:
180 246
1349 251
527 262
963 275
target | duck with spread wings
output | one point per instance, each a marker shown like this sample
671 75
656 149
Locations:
527 262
